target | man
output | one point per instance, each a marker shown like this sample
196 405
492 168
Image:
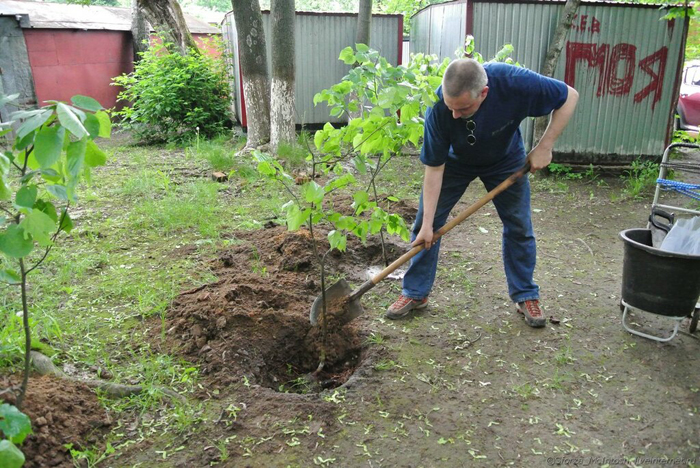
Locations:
473 131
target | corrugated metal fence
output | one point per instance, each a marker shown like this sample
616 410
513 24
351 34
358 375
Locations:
319 39
621 58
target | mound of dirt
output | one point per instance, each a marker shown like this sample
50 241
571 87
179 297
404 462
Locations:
62 412
253 323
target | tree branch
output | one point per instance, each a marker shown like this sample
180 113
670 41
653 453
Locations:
53 238
26 160
7 211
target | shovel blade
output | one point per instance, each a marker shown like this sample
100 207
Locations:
335 295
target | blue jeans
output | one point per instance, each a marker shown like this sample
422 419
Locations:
513 206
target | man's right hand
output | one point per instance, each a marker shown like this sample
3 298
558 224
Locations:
425 237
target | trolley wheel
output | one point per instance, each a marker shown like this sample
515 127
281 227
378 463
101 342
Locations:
694 321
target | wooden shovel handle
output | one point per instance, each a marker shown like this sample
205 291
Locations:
454 222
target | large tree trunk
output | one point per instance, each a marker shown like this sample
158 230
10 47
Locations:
282 89
139 29
364 19
552 57
256 82
166 16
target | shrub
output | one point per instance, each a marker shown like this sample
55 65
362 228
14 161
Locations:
173 97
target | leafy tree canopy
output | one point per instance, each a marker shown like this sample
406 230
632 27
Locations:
112 3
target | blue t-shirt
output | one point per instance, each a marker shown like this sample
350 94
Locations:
514 94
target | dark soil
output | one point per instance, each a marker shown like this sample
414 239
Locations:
62 412
253 323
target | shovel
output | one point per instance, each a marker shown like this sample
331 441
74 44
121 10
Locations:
345 303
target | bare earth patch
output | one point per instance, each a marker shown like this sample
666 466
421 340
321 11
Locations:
254 321
463 383
61 413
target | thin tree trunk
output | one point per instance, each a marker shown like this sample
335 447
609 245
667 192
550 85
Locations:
364 20
552 57
139 29
362 36
166 16
256 81
282 119
27 336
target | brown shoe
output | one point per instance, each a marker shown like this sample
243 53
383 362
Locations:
403 306
532 313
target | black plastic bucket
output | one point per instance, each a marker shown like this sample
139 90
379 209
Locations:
656 281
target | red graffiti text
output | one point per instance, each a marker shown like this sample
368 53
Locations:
616 68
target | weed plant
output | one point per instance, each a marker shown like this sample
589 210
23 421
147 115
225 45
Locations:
640 178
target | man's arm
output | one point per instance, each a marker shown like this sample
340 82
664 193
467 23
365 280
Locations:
541 155
432 183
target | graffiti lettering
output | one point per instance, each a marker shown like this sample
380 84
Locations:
616 68
621 52
595 56
657 78
585 23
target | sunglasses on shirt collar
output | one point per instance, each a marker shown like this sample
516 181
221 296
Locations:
471 126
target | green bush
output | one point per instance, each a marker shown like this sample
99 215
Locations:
174 97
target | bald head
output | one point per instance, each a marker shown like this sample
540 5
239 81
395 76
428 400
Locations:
464 75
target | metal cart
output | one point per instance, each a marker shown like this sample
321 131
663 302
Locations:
656 281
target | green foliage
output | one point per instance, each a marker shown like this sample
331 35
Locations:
113 3
15 427
407 8
53 151
469 50
216 5
221 158
681 136
14 424
310 205
10 455
315 5
564 171
391 102
39 174
89 457
682 11
175 97
641 177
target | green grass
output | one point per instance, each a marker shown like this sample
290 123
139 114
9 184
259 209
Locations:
293 156
191 205
217 153
121 265
641 178
146 183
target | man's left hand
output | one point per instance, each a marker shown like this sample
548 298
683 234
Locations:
539 158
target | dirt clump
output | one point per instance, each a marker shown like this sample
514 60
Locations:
253 323
61 412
